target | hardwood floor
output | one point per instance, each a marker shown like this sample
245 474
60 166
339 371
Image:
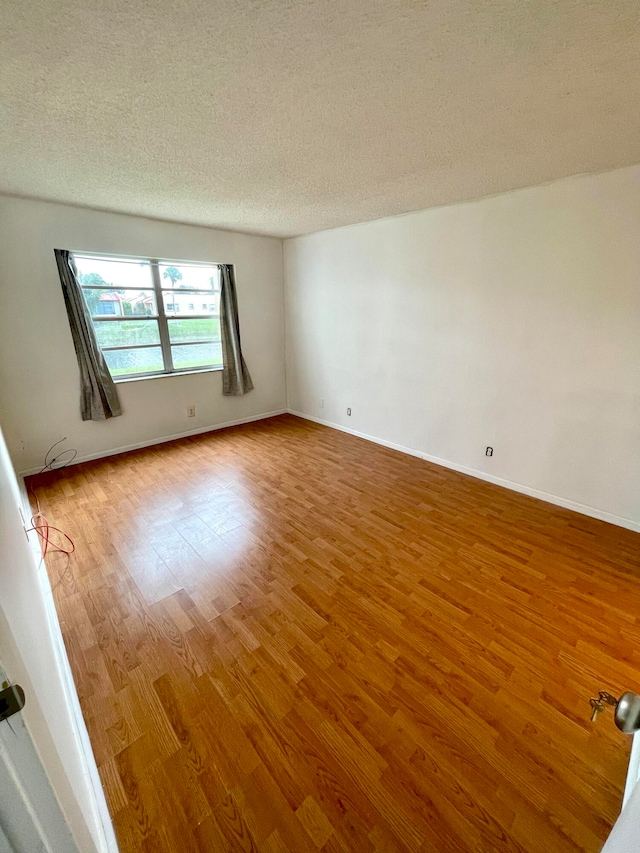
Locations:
285 638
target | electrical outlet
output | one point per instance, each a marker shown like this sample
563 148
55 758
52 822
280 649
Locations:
322 402
191 411
349 412
489 451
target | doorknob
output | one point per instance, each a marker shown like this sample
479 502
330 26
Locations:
627 713
11 700
627 710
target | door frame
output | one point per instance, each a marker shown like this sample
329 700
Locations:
45 739
101 817
31 820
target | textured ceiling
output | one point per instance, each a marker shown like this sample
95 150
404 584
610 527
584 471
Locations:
289 116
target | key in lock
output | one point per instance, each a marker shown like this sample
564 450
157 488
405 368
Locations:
626 713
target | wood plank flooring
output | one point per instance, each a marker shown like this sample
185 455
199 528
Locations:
285 638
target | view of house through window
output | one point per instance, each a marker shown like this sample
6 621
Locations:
153 316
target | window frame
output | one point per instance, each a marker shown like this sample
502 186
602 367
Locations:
161 317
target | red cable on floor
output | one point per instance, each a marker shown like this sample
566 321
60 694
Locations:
39 520
42 527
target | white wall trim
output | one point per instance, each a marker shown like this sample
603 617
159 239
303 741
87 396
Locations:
590 511
565 503
161 440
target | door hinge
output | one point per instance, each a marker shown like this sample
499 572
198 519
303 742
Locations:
11 700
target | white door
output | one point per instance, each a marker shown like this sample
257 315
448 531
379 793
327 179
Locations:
31 820
625 836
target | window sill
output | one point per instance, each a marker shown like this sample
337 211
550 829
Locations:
123 381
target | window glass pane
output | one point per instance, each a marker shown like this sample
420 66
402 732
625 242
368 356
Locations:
176 302
123 361
204 329
197 355
116 274
129 333
120 303
178 276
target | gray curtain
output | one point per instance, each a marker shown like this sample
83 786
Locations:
98 394
235 374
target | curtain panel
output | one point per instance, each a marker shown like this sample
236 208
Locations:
98 394
236 380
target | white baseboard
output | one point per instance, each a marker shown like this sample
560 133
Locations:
583 509
565 503
101 454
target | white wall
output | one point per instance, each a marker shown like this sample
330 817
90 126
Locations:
512 322
39 386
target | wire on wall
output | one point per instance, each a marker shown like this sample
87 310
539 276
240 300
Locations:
61 541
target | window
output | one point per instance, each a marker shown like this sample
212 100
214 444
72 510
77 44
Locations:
144 316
